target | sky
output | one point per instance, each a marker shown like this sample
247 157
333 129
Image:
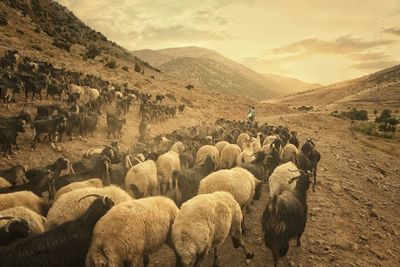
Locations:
313 40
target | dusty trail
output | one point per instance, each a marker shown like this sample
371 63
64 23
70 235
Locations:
353 215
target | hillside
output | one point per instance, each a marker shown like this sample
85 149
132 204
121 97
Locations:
293 85
211 70
379 89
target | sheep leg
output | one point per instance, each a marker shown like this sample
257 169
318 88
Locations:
199 259
249 255
178 260
146 260
216 261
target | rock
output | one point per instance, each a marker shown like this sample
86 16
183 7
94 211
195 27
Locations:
374 213
292 264
354 246
362 237
336 188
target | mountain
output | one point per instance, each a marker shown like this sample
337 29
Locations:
209 69
380 88
293 85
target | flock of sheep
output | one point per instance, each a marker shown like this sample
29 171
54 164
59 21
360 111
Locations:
191 192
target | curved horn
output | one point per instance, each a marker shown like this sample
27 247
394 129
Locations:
105 197
91 195
10 222
7 218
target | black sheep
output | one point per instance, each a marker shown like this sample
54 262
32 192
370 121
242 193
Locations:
285 216
63 246
187 181
313 155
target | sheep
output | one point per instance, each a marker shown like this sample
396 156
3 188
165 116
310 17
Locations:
167 163
281 176
255 144
23 198
186 182
243 137
130 231
13 229
64 246
205 222
258 166
247 154
228 156
4 183
141 180
221 145
95 182
269 139
239 182
289 153
206 151
178 147
34 220
285 216
68 207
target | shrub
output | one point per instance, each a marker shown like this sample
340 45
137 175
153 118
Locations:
125 68
137 68
111 64
305 108
354 114
62 44
189 87
92 52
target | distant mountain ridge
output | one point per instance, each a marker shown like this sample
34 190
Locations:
207 68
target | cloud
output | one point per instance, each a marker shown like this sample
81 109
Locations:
342 45
394 31
379 56
374 65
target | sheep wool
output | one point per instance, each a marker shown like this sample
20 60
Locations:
243 137
130 231
205 151
281 176
221 145
167 163
4 183
205 222
229 155
34 220
289 153
23 198
237 181
95 182
68 207
141 179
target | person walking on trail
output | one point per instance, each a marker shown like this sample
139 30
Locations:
251 114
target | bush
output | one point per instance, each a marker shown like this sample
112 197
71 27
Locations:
62 44
92 52
354 114
386 114
111 64
305 108
189 87
137 68
125 68
3 20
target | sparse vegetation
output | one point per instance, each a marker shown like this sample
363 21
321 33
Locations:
3 19
386 122
187 102
354 114
111 63
189 87
92 52
305 108
137 68
62 44
125 68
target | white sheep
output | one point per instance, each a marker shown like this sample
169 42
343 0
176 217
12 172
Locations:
35 221
70 205
178 147
94 182
281 176
247 154
141 179
237 181
23 198
167 163
269 139
229 155
205 151
221 145
204 223
243 137
289 153
130 231
4 183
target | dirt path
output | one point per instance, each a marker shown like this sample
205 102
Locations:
354 216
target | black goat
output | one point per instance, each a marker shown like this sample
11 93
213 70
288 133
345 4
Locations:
50 126
15 229
114 125
186 182
15 175
313 155
63 246
9 134
100 169
293 139
285 216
